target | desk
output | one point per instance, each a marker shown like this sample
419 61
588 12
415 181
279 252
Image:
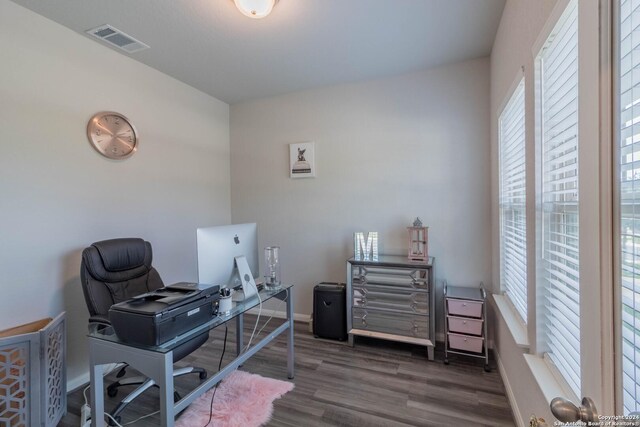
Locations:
156 362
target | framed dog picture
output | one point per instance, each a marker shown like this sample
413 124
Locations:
302 160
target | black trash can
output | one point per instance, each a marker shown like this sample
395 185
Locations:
329 311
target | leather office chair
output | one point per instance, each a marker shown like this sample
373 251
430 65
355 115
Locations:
116 270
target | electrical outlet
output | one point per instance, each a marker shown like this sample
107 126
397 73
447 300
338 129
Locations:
85 416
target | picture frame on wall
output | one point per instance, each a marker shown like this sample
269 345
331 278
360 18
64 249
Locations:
302 160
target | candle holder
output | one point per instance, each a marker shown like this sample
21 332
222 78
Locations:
272 277
418 241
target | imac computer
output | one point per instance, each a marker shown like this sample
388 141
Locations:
217 249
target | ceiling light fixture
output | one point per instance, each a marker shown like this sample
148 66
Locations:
255 8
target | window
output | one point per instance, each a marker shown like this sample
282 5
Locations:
513 233
629 185
557 225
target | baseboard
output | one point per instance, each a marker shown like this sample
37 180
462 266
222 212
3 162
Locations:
512 398
77 382
83 380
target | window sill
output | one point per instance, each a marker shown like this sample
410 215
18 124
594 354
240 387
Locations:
549 384
516 327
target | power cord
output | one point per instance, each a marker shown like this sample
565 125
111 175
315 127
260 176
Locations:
273 313
215 388
255 326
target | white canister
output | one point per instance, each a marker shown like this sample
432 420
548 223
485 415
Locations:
225 305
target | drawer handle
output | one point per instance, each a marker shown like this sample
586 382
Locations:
464 322
464 304
465 340
362 301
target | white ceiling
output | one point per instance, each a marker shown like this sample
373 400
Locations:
211 46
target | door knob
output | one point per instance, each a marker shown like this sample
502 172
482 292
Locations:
565 411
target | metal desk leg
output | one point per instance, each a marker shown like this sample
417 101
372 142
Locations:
165 383
290 350
97 393
430 352
239 333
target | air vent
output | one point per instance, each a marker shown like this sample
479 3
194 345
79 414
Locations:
117 38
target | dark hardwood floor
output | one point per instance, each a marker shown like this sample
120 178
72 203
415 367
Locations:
377 383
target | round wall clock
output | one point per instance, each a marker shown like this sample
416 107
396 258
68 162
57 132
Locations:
112 135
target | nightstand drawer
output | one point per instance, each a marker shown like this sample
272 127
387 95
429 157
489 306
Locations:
465 325
382 298
466 308
409 325
465 343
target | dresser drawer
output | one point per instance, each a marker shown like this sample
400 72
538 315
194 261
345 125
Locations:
465 343
466 308
410 279
401 300
409 325
465 325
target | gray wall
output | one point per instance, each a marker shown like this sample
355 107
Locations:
57 194
386 151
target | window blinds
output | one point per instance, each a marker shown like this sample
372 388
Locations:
513 233
629 140
559 278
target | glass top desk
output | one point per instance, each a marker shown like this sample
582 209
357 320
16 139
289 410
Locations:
156 362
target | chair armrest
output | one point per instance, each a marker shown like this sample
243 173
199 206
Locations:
99 320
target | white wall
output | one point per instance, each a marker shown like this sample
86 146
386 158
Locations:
386 151
57 194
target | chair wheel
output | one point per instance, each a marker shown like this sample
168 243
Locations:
203 375
176 397
446 361
112 391
487 368
118 419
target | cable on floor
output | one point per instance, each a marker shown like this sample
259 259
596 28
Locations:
215 388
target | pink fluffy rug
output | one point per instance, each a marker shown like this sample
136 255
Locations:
242 400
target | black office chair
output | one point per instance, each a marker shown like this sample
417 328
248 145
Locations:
116 270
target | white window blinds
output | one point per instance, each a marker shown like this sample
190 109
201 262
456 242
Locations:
513 233
629 140
558 277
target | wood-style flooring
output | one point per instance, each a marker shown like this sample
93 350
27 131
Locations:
376 383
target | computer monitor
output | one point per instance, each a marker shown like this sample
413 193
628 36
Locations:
217 248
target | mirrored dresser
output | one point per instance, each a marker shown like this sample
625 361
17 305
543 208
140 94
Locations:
391 298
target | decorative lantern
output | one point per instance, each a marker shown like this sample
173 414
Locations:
418 237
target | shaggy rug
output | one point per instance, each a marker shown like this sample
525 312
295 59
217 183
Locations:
242 400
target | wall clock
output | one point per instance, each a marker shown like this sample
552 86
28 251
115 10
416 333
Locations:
112 135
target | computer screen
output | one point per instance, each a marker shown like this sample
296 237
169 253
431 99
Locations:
217 248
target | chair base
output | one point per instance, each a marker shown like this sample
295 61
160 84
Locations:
145 384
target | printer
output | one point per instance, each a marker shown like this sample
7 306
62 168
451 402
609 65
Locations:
159 316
